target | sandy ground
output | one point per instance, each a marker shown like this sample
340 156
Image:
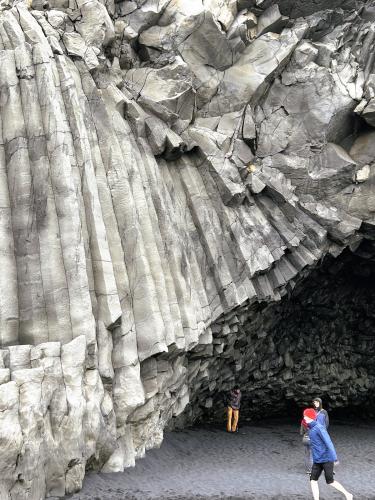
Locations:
261 462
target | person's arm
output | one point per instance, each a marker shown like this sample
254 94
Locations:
328 442
302 430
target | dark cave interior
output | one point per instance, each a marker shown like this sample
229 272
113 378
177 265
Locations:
319 340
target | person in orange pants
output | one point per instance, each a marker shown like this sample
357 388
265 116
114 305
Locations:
233 409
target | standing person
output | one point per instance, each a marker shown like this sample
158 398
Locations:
322 417
324 455
304 432
233 409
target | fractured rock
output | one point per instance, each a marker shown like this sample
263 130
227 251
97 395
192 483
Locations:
163 141
246 80
271 20
362 174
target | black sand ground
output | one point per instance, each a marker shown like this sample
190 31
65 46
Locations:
261 462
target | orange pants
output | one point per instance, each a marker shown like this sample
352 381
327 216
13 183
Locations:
232 419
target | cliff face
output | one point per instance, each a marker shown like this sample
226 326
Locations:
169 171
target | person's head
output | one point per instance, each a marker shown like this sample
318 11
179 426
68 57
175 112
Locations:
317 403
309 415
236 388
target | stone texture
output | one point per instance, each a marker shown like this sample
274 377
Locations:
169 173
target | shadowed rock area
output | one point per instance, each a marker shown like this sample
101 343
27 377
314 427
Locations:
186 202
318 340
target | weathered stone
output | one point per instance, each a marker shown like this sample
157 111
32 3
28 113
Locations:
363 149
163 141
247 79
207 44
4 375
304 54
169 173
367 111
244 21
271 20
76 46
362 174
95 25
19 357
164 88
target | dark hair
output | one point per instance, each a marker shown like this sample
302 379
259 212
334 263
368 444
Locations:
236 388
319 401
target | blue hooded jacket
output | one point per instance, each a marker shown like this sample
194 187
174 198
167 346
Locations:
321 445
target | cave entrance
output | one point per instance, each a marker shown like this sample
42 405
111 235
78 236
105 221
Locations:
317 341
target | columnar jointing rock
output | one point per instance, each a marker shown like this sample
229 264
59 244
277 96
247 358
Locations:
168 172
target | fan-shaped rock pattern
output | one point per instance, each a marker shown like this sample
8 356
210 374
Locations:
165 168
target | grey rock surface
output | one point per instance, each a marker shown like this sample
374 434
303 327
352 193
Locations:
167 171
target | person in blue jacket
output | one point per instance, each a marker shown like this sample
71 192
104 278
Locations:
324 455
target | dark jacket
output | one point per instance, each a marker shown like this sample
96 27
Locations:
234 400
323 418
321 445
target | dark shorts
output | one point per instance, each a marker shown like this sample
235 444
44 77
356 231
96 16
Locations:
317 469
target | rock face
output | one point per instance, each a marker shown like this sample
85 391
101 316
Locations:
169 172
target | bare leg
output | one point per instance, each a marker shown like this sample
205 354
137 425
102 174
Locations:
229 419
341 488
235 420
315 489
